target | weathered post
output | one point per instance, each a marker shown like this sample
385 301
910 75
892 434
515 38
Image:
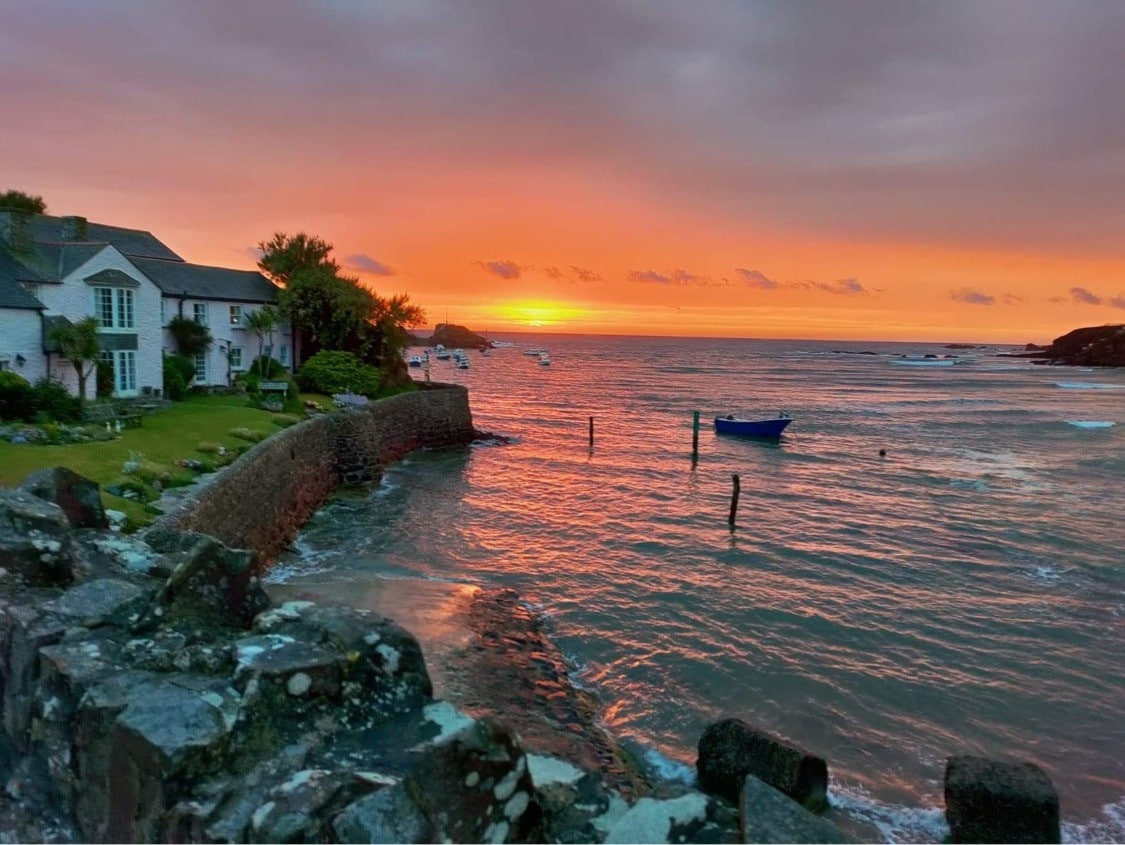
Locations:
695 435
591 432
734 498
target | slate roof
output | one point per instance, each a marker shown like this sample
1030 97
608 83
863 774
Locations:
57 261
133 243
49 343
198 281
12 294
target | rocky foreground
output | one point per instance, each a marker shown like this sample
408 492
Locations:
152 692
1093 346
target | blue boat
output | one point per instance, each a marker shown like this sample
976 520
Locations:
772 427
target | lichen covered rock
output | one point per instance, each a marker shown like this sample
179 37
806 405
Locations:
78 497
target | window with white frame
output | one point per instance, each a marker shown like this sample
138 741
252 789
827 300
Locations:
236 315
201 313
114 309
200 362
283 355
124 372
235 356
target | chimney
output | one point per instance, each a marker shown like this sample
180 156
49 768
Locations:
15 230
73 229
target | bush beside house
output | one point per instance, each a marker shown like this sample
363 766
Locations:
331 372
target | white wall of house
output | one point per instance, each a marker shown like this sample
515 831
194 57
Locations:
20 335
74 299
222 366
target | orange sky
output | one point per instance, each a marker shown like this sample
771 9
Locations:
768 172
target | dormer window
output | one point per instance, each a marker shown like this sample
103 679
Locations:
114 308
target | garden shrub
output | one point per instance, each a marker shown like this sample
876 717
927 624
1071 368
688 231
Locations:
179 372
285 420
268 368
54 403
17 398
331 372
250 434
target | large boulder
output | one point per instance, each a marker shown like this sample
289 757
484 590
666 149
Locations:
210 582
35 539
767 816
731 749
992 801
474 786
79 497
384 816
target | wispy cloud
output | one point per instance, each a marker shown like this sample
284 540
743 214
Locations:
972 296
840 287
1118 301
678 277
502 269
583 274
1012 299
756 279
1081 296
365 263
553 272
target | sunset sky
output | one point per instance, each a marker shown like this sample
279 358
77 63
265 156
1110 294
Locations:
881 170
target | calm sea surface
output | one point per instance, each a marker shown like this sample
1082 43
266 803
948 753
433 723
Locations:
963 594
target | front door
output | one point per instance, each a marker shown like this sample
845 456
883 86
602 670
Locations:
125 372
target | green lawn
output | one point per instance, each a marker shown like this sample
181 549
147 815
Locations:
165 437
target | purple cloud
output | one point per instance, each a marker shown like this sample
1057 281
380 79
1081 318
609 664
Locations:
972 296
1118 301
1081 296
367 264
1012 299
678 277
503 269
581 274
756 279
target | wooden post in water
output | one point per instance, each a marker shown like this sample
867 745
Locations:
695 435
734 498
591 432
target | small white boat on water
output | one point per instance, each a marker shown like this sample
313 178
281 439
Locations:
545 359
534 350
414 361
441 353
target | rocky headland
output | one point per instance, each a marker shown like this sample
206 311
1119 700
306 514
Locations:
452 336
1092 346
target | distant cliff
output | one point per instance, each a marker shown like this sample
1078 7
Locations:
452 336
1093 346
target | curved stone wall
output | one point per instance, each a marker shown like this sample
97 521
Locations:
261 500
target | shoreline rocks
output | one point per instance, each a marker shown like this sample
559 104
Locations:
992 801
1092 346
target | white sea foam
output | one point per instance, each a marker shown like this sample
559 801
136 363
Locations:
1108 827
665 768
1091 423
896 823
1085 385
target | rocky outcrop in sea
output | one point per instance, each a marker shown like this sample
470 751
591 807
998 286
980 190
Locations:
1093 346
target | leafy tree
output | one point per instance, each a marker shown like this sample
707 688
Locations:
19 201
79 344
262 323
191 338
329 311
283 256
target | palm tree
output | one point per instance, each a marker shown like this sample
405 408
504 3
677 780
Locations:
80 345
262 323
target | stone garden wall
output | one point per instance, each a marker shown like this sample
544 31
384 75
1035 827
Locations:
261 500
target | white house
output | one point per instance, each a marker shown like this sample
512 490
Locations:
55 269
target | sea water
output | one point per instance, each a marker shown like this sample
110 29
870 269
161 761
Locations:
964 593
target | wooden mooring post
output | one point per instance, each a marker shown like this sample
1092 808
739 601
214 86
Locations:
695 435
591 432
734 498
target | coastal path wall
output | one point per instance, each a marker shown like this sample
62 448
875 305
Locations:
261 500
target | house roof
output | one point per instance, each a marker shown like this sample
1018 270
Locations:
49 342
57 261
12 294
198 281
133 243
